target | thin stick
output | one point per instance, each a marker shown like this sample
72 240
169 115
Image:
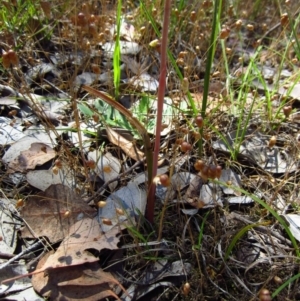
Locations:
33 247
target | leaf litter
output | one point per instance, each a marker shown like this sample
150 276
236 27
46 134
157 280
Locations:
62 216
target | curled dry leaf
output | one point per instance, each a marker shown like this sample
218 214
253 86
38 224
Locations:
128 147
37 154
20 146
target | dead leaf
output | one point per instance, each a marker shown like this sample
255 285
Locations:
43 179
83 235
73 266
45 212
82 282
38 154
108 167
23 144
130 199
128 147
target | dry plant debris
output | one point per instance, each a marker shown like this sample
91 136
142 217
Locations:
73 168
53 212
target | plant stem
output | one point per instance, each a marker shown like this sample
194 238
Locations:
160 100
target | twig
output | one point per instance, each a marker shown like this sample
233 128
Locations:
34 246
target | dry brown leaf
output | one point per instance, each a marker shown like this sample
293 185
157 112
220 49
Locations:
53 212
128 147
83 235
74 283
72 266
38 154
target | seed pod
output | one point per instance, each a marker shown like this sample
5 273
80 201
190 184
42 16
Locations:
193 16
55 170
284 20
67 213
107 221
250 27
228 50
185 85
182 54
238 24
225 31
93 30
272 141
294 60
119 211
199 121
81 20
196 135
20 203
13 57
179 141
92 19
96 69
199 165
287 111
277 280
186 288
180 61
155 43
211 172
5 60
101 204
204 173
185 147
164 180
264 295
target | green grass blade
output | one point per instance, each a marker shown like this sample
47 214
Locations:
281 287
242 98
238 236
117 52
200 237
272 211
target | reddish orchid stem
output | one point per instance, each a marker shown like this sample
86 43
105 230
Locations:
160 100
